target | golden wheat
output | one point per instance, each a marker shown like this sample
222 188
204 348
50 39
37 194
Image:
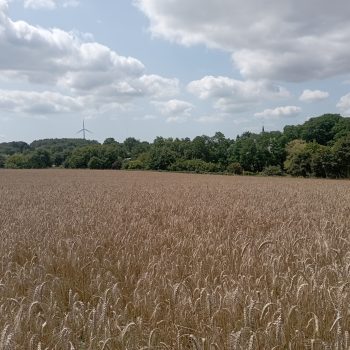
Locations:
135 260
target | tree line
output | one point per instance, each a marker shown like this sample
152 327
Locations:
320 147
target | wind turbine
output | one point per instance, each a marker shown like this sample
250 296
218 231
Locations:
83 130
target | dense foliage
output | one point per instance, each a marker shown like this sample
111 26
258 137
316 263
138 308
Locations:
320 147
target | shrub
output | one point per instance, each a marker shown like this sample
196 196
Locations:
117 164
2 161
272 170
248 173
17 161
95 163
194 165
235 168
135 165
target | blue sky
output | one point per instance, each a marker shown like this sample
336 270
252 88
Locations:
148 68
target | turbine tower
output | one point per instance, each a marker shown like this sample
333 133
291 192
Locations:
84 130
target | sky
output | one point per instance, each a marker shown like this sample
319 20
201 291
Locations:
147 68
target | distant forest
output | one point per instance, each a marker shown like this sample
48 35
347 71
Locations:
318 148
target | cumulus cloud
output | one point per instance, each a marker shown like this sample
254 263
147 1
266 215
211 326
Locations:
313 95
268 39
230 95
48 103
279 112
173 107
39 103
344 104
51 55
66 61
174 110
158 86
49 4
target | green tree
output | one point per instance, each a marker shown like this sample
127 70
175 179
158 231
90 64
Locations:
323 162
80 157
161 158
110 141
117 164
95 163
341 151
13 147
235 168
310 159
200 148
341 129
142 161
60 149
251 156
109 154
17 161
298 162
292 132
218 149
134 147
271 146
2 160
321 129
59 157
39 159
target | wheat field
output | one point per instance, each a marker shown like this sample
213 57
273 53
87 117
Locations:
141 260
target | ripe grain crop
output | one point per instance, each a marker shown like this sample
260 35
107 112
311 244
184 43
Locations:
138 260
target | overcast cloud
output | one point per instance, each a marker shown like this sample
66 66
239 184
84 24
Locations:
289 40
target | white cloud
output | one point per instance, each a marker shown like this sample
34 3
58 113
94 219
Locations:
43 56
38 103
313 95
158 86
279 112
39 4
46 103
3 7
51 55
173 107
49 4
286 40
344 104
176 111
75 65
230 95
